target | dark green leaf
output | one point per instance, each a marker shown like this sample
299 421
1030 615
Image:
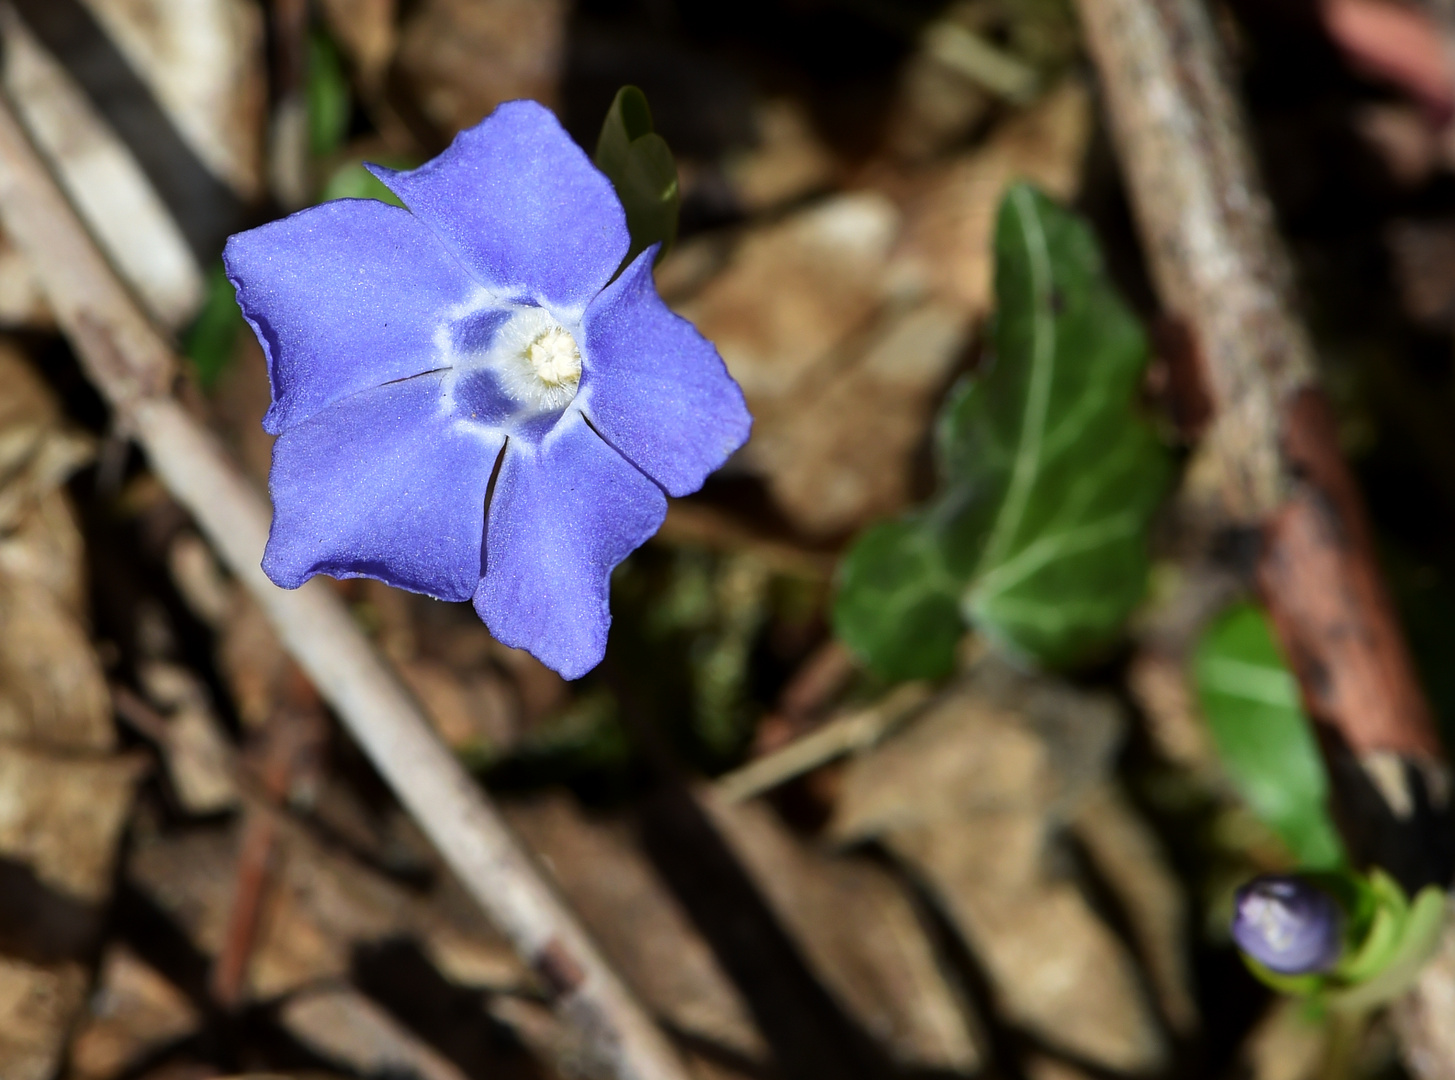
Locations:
329 102
628 119
897 604
1051 477
640 166
211 340
1251 703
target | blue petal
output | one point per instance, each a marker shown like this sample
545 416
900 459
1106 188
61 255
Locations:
385 484
523 205
343 296
564 513
655 388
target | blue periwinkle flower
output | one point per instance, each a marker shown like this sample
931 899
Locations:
1288 924
474 350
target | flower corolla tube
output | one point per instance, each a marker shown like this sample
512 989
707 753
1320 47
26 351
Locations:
467 404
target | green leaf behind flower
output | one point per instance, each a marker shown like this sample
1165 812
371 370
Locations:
640 166
1050 475
329 99
352 181
1265 741
211 341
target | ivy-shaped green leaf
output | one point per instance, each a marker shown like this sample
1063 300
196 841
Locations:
1050 476
1265 741
640 166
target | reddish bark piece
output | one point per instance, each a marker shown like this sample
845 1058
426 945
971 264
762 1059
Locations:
1395 42
1333 613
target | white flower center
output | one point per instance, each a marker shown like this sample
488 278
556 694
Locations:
535 359
555 359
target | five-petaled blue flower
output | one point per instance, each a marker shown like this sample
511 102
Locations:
469 350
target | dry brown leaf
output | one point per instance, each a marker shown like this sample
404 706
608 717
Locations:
38 451
638 923
1422 258
934 108
102 178
1042 1067
845 322
320 907
199 578
950 222
133 1011
795 290
473 714
1285 1045
860 933
36 1006
1057 969
788 162
22 300
974 796
52 690
200 758
842 454
366 32
789 314
1126 853
252 661
464 57
47 548
203 60
341 1025
63 816
997 741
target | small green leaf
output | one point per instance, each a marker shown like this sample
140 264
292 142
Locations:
1051 477
1251 703
211 341
1421 923
639 164
329 101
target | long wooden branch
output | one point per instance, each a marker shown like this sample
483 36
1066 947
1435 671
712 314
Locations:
1222 274
134 369
1223 277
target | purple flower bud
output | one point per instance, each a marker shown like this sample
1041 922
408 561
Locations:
1288 925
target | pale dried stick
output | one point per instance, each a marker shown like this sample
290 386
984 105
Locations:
842 735
134 369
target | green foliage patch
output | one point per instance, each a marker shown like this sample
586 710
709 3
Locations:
1049 476
1251 702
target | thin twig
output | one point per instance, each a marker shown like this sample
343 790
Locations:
133 368
288 753
857 730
